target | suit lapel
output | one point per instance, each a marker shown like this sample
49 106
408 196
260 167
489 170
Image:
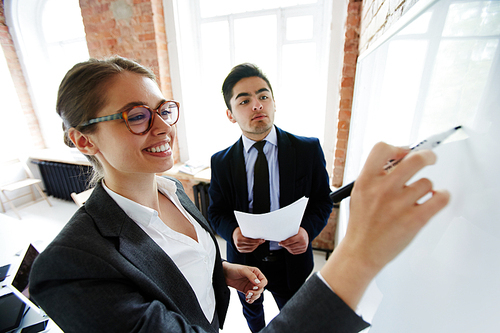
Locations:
239 176
287 160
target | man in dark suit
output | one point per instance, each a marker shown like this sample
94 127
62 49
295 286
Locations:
295 168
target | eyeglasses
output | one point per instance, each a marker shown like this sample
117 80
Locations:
140 118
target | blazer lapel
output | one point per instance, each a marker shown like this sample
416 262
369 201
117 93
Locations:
192 210
143 253
218 280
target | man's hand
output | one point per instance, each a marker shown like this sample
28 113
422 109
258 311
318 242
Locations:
249 280
296 244
244 244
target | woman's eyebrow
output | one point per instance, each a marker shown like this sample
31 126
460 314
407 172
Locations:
130 105
161 102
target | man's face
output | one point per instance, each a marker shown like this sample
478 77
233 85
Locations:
252 107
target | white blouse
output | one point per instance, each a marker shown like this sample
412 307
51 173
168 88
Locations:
194 259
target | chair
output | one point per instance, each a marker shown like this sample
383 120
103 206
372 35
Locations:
80 198
30 181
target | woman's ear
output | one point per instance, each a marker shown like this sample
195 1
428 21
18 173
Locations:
82 142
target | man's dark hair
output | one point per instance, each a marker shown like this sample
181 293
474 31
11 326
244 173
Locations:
237 73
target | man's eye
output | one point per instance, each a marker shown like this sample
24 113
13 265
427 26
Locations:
244 102
264 97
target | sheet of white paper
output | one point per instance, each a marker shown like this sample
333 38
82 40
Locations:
274 226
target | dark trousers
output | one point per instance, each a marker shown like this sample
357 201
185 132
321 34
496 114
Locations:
275 272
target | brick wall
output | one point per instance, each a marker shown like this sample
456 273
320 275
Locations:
326 239
352 32
19 82
366 21
378 16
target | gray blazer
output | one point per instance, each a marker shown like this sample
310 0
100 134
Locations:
103 273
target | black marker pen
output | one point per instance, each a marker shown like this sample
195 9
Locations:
429 143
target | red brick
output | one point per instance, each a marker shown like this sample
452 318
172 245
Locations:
345 104
340 153
110 42
339 174
347 82
353 21
343 125
342 134
351 33
342 144
350 59
346 92
338 162
354 7
349 70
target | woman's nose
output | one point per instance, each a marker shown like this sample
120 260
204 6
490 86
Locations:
160 125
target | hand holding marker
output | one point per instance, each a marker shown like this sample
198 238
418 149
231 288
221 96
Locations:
429 143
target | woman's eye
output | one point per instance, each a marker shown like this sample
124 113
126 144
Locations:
137 117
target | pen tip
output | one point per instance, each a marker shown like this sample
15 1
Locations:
458 127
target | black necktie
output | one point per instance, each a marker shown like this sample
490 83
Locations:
261 197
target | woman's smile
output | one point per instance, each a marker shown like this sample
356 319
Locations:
162 148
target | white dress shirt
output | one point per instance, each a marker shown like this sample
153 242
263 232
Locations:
194 259
271 151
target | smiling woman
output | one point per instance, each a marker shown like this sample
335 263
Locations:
110 145
138 239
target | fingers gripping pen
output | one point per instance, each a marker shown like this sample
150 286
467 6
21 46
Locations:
429 143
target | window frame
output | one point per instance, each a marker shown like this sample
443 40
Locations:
329 11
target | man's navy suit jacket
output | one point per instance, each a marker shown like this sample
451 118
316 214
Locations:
302 173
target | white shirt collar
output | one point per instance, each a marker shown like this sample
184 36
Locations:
272 137
137 212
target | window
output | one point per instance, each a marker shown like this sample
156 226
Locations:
288 40
51 39
13 120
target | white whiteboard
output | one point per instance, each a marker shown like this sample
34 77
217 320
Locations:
440 70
